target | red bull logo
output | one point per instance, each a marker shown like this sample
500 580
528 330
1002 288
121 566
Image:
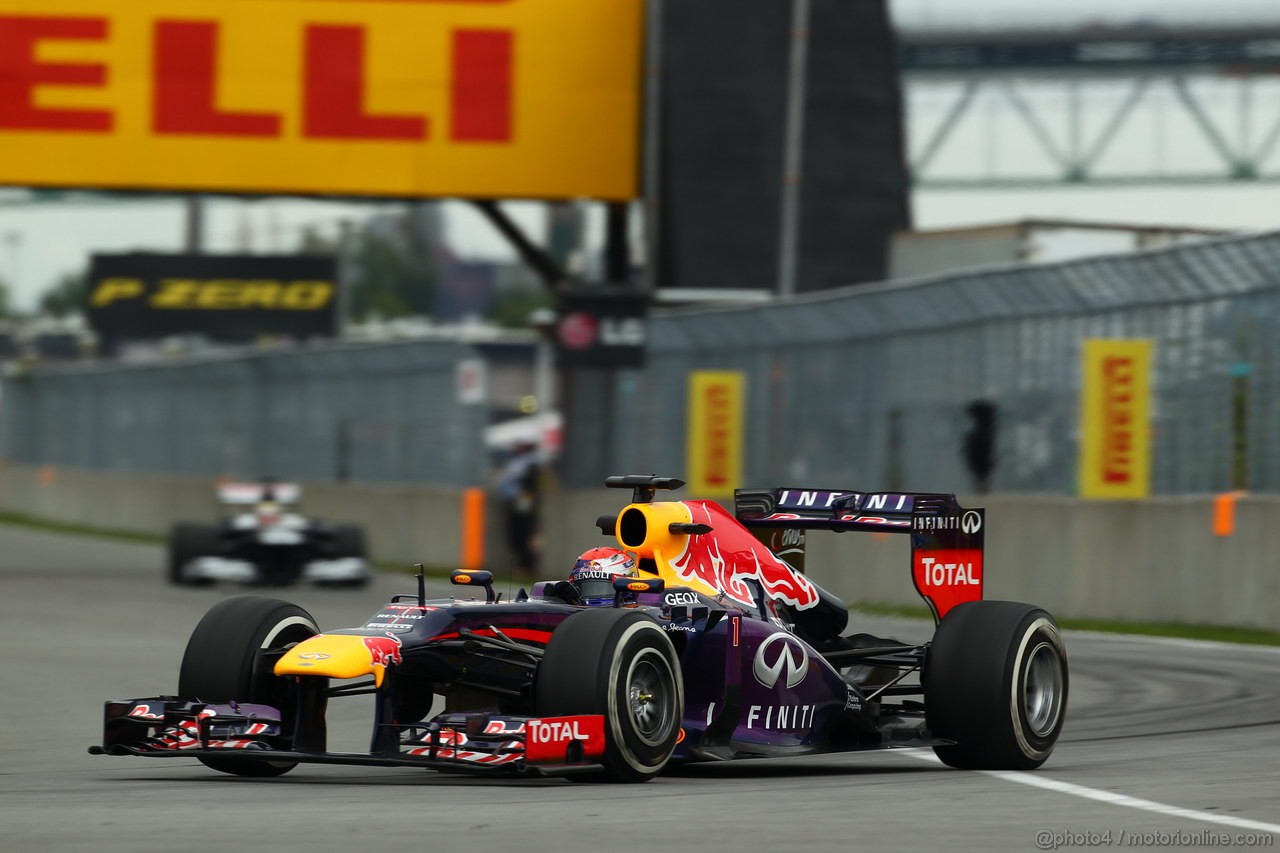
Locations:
727 558
383 651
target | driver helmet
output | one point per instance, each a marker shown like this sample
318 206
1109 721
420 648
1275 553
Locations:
594 571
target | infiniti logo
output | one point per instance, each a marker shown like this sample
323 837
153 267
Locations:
971 523
790 656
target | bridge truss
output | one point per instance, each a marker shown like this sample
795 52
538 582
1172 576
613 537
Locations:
1109 108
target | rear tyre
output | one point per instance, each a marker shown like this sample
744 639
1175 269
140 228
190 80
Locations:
223 663
620 664
995 682
186 543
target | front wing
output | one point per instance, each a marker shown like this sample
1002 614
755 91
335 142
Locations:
170 726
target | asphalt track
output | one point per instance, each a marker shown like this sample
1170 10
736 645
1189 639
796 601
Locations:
1166 740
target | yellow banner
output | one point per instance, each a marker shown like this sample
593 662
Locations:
1115 445
715 433
473 98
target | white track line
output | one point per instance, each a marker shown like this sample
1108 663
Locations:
1037 781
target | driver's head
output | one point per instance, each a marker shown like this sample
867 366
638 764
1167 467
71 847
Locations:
594 571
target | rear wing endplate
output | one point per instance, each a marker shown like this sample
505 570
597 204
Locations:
246 494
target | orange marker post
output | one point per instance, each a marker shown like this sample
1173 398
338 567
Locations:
1224 514
473 529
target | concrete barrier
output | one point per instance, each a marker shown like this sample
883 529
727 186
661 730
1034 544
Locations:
404 524
1156 560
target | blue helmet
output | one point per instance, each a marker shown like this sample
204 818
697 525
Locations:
594 571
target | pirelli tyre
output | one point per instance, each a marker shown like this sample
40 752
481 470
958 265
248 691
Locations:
223 663
618 663
995 682
186 543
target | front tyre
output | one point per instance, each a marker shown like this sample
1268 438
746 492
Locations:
348 541
995 682
621 664
188 542
223 663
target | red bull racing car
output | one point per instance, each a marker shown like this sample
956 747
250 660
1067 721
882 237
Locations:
715 648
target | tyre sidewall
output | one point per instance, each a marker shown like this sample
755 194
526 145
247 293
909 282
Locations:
1037 628
638 641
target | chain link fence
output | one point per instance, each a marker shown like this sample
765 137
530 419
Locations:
866 387
376 413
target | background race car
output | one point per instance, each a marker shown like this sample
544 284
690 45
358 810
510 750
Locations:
713 647
262 539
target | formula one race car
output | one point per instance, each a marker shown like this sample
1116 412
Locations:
714 649
260 541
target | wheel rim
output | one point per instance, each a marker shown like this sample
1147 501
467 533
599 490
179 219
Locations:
1042 689
651 697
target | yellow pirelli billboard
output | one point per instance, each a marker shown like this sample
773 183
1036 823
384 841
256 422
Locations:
406 98
1115 433
715 432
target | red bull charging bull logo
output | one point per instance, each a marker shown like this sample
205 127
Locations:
383 651
725 559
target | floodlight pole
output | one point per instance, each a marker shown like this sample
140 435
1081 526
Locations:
793 148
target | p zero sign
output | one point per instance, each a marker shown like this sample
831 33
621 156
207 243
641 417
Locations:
714 464
1115 450
478 98
228 297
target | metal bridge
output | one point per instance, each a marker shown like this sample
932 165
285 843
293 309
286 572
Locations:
1140 105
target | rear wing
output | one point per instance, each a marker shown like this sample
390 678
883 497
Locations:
247 494
947 540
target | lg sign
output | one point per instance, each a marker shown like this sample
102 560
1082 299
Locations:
601 327
406 97
582 331
578 331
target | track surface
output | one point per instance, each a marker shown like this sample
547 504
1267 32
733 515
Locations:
1195 726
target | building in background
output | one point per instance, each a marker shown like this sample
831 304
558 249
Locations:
937 251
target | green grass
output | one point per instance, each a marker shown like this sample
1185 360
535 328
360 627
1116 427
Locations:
19 520
1219 633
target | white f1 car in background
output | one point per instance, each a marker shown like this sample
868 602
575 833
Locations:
262 540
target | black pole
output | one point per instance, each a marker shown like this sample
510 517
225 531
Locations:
617 246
